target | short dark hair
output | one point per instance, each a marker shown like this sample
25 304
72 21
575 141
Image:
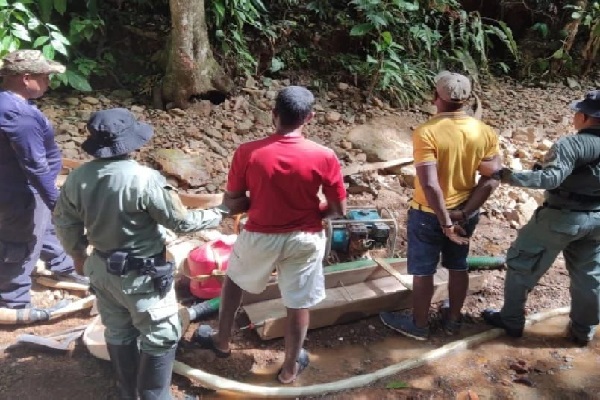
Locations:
293 105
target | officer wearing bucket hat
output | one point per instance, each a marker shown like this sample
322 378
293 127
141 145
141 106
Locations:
120 208
30 161
568 221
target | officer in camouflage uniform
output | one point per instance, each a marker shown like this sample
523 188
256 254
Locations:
568 221
120 208
30 161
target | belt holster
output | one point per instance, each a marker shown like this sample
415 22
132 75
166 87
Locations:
119 263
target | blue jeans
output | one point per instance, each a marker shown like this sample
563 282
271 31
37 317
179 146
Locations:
426 242
548 232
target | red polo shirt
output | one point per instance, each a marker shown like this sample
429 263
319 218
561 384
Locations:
283 175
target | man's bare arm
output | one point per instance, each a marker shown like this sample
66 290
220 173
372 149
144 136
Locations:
428 177
485 187
236 202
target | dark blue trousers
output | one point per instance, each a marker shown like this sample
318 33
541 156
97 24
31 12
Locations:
26 235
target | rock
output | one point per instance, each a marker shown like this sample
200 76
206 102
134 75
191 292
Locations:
384 138
572 83
263 118
90 100
271 94
228 124
346 145
214 133
360 158
72 101
177 112
191 170
407 175
137 109
343 86
84 114
545 145
215 146
203 108
428 108
332 117
192 131
250 83
244 126
70 153
68 129
121 94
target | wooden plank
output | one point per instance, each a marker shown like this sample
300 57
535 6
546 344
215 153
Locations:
355 169
346 304
342 278
403 279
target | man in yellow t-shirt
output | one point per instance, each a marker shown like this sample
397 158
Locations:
449 150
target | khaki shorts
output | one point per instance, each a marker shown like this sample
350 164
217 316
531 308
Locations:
297 257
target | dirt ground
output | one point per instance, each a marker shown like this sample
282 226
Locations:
543 365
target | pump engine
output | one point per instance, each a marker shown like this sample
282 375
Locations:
362 230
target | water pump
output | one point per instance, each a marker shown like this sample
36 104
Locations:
362 230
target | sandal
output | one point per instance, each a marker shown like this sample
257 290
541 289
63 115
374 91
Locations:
203 337
303 360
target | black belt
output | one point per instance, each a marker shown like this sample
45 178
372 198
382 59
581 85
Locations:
138 263
546 205
565 194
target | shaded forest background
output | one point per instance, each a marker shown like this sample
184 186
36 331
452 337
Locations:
389 47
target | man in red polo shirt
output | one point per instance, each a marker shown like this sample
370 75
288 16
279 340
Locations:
283 173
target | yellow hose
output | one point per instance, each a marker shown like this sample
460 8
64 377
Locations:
219 383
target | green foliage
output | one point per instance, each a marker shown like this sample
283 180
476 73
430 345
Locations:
412 40
27 24
232 20
20 27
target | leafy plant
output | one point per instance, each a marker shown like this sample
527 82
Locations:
26 24
20 27
231 18
412 40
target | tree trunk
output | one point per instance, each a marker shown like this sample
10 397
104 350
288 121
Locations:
571 29
191 68
590 51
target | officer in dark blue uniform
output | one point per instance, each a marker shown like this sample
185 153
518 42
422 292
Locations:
568 221
30 161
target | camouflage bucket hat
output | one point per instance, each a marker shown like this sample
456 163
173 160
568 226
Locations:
28 62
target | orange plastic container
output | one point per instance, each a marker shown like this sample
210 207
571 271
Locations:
207 265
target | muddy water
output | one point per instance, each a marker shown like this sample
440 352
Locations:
541 366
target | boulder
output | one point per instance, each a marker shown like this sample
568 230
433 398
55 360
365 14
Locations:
384 138
189 169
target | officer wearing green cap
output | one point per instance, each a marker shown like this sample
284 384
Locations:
568 221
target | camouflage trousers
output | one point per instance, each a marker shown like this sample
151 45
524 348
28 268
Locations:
130 308
550 231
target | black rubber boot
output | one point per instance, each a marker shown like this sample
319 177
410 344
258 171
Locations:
125 360
154 378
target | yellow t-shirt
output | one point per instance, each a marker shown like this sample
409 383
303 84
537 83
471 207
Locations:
457 143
